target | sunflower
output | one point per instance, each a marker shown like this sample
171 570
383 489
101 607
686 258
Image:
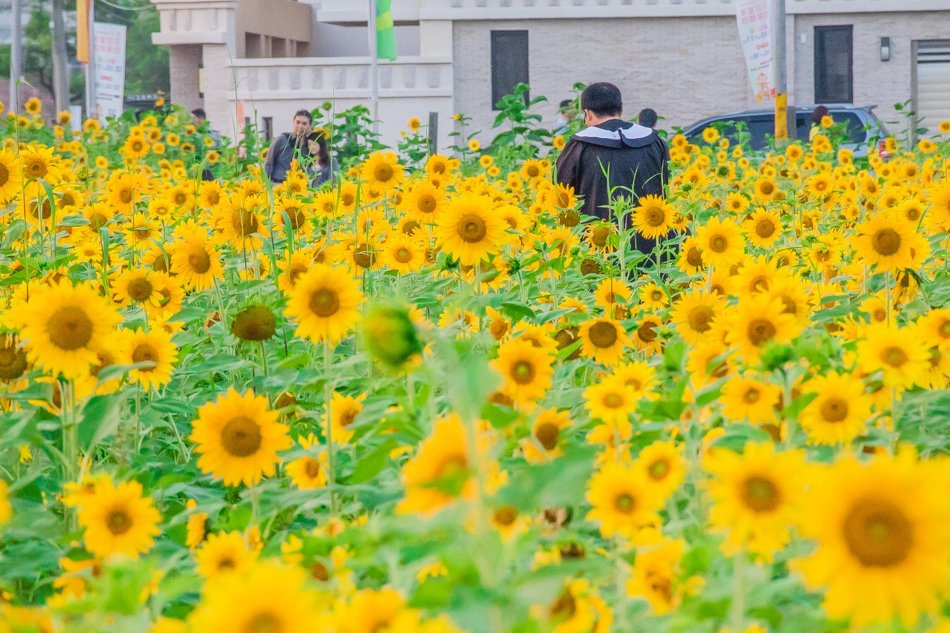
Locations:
266 596
883 526
694 313
325 302
9 175
196 262
757 321
765 189
309 472
611 401
136 287
440 471
343 412
382 171
238 437
653 296
154 347
38 163
691 257
222 554
33 106
525 369
546 438
610 292
664 466
576 608
13 363
750 399
839 411
898 353
721 242
757 496
737 203
118 520
63 325
890 243
135 147
423 202
763 228
470 230
604 340
254 323
622 500
372 610
403 253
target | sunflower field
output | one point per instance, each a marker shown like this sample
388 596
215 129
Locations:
434 397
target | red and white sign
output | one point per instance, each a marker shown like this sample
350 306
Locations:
109 42
755 33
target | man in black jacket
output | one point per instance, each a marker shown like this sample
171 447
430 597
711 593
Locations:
633 157
288 146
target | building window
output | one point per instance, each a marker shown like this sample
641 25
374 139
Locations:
834 67
268 124
509 63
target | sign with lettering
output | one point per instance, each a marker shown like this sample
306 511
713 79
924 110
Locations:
109 42
755 33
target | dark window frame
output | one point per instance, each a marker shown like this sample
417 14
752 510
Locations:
823 92
501 60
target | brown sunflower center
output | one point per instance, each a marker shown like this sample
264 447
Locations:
118 521
410 227
522 372
764 228
700 317
886 242
564 607
894 356
603 334
348 416
625 503
264 623
878 533
241 436
403 255
426 203
140 289
472 229
647 332
199 260
383 172
834 409
364 255
654 216
125 195
718 243
12 363
547 435
145 352
760 331
312 468
694 257
751 396
4 175
244 222
505 515
69 328
760 494
324 302
36 167
659 469
613 400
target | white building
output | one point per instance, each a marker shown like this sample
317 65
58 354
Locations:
269 58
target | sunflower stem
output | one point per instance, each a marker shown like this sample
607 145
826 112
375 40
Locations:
264 365
737 610
327 399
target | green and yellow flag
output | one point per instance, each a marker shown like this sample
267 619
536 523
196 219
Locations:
385 31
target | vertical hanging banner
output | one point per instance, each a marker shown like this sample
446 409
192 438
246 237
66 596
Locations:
385 31
755 34
82 31
109 53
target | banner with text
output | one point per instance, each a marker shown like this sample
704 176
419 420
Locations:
109 42
755 33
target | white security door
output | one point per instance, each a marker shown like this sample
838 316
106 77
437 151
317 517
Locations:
932 100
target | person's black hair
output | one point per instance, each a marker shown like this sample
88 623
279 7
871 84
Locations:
648 117
199 112
304 113
818 113
323 153
603 99
567 104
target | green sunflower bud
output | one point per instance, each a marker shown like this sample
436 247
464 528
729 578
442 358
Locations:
390 336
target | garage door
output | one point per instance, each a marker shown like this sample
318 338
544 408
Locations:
933 84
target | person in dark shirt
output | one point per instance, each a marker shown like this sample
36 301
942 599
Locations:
635 158
648 118
288 146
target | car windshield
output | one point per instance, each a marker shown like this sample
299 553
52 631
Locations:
760 127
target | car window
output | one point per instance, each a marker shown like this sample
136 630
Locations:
856 131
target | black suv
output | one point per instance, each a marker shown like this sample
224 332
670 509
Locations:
863 127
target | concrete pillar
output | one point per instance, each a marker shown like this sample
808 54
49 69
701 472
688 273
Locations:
183 63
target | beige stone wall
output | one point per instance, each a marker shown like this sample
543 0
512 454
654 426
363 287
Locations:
684 68
875 82
183 61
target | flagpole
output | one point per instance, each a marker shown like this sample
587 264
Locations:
373 65
92 112
16 54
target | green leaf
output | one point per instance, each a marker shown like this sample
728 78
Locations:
100 420
371 464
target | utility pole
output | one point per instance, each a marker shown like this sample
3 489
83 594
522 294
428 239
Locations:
373 65
16 54
60 61
784 117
